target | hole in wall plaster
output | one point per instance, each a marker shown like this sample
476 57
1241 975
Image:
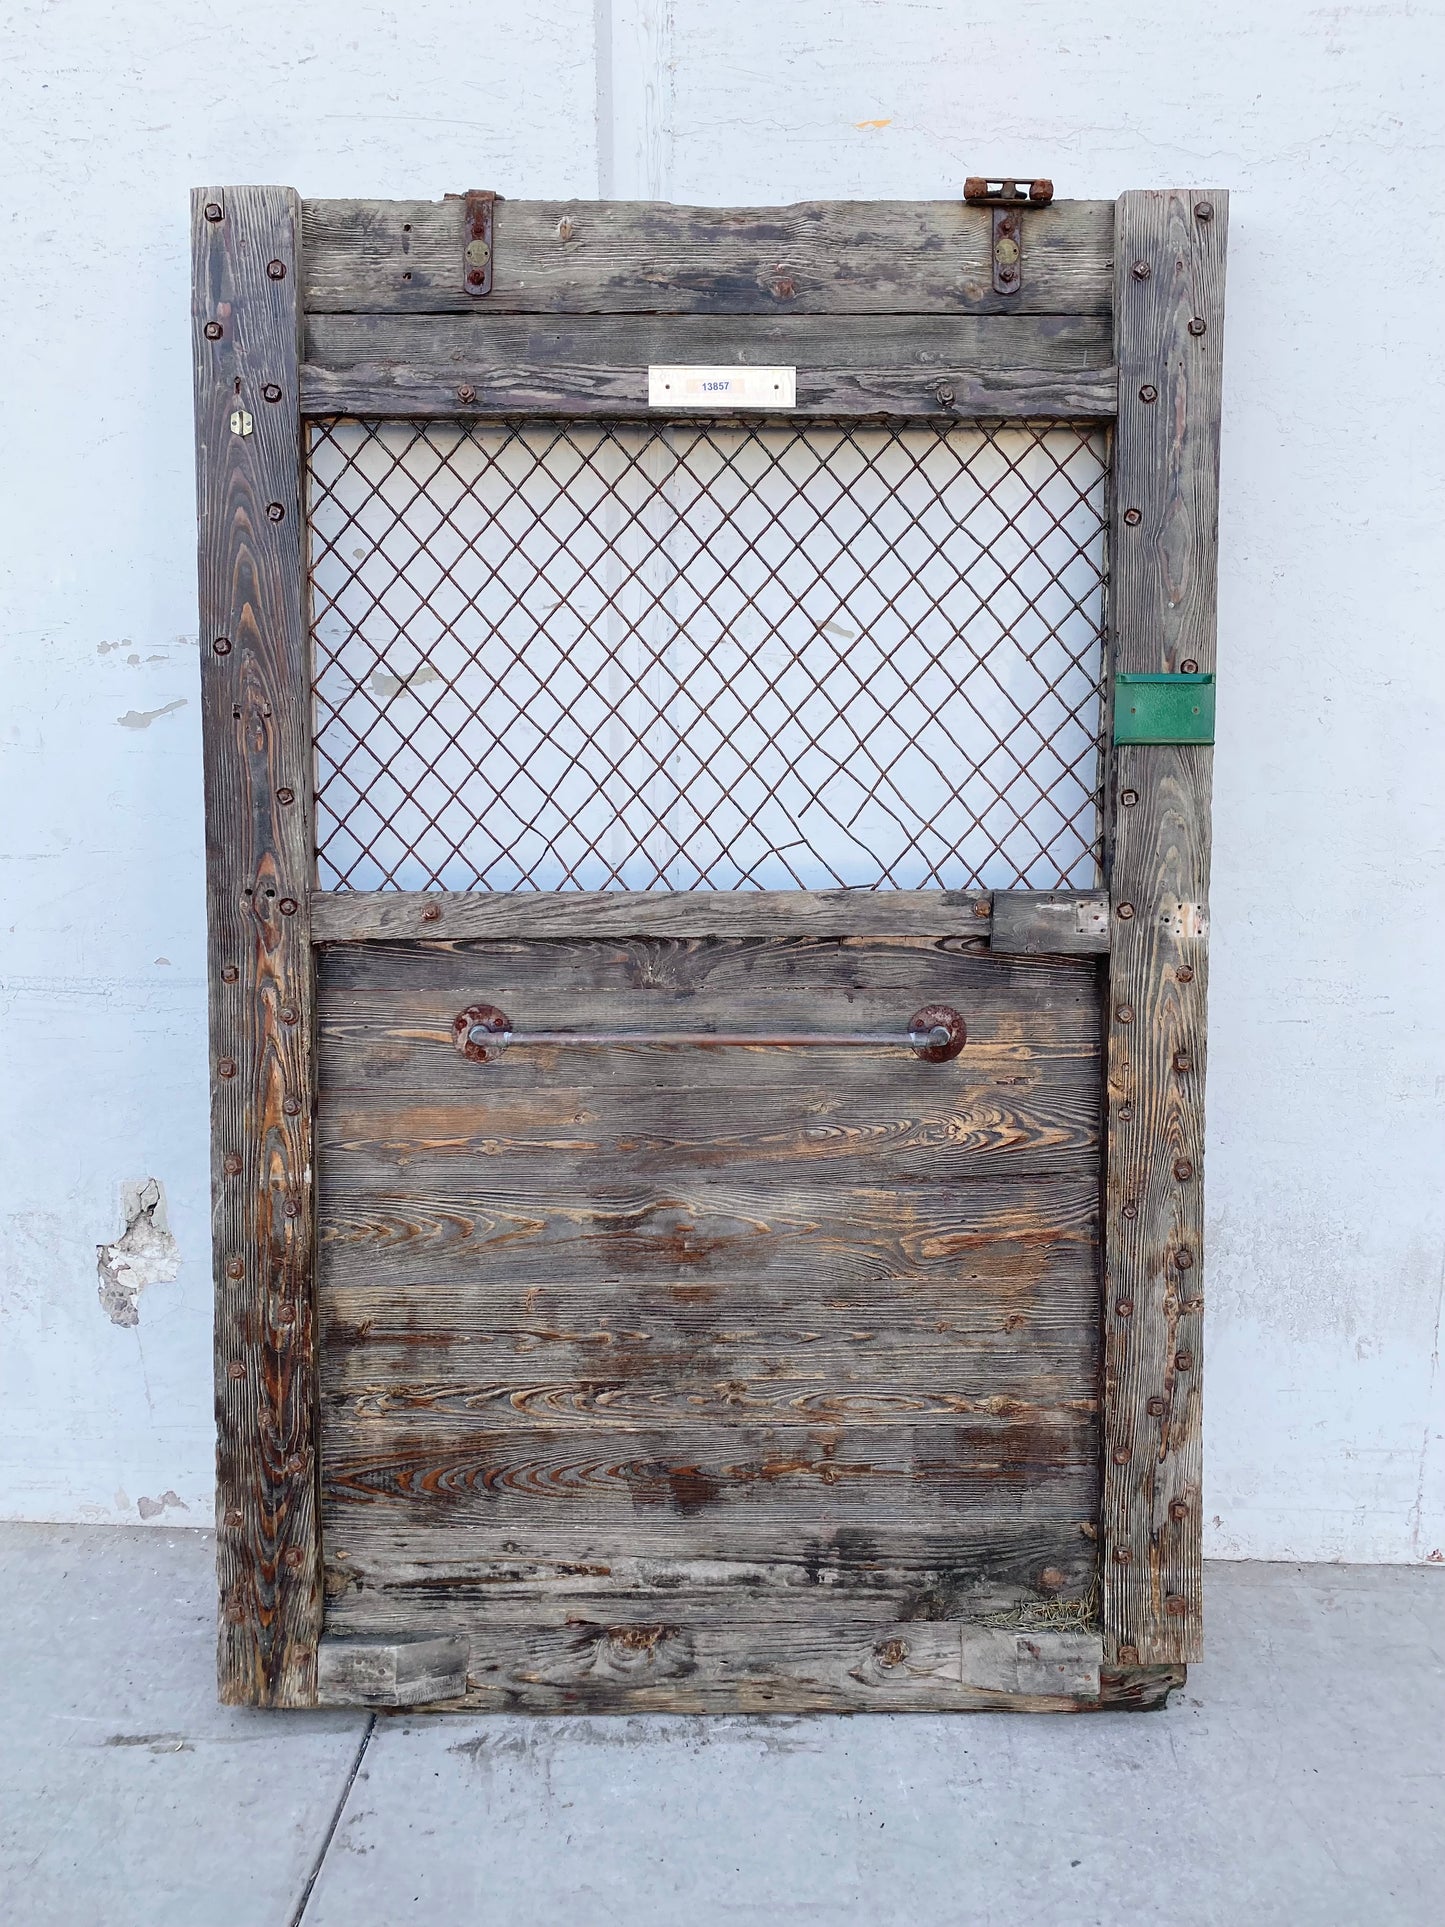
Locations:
144 1254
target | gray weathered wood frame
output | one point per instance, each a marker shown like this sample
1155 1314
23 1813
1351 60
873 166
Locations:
887 311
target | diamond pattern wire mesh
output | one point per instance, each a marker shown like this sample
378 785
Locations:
558 655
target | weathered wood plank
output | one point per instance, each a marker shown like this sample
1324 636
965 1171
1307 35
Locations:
1170 328
397 1672
1040 923
257 752
364 916
589 257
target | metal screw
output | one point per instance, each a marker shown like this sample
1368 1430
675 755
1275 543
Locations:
432 913
1183 1062
1124 912
229 973
213 210
1185 974
1122 1555
1128 798
275 512
222 645
236 1517
292 1557
1184 1361
1133 518
285 1314
1125 1013
1148 392
231 1163
475 278
235 1370
1178 1510
291 1106
1122 1455
1184 1257
235 1268
290 1015
1183 1170
1141 270
1198 325
286 796
1126 1113
293 1210
466 393
945 394
1156 1408
1204 210
983 907
1125 1307
288 906
271 391
226 1067
1189 667
1175 1606
213 331
276 270
1130 1211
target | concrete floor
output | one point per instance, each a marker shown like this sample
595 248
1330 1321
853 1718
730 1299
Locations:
1298 1778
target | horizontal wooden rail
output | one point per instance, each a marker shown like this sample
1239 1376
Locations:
1056 922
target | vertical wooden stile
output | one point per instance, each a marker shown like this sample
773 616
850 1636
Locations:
253 644
1169 296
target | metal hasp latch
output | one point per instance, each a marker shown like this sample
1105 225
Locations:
1164 709
477 241
936 1034
1008 200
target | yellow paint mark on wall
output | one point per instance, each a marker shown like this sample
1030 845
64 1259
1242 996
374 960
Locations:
861 125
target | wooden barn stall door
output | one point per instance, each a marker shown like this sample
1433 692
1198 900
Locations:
677 1170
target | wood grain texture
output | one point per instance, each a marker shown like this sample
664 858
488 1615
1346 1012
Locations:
368 916
591 257
256 717
396 1672
1162 618
1043 923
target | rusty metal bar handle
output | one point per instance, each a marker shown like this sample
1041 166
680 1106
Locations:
936 1034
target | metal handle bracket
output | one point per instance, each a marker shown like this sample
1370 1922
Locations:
936 1034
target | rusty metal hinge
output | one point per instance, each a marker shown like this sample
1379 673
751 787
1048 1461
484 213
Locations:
1008 199
477 238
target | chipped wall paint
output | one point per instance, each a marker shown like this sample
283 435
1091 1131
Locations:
1326 1146
144 1254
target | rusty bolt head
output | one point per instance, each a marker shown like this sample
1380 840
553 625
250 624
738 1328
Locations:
1175 1606
784 288
290 1015
226 1067
475 277
1197 326
1122 1555
231 1163
1184 1361
292 1558
432 913
466 393
272 391
275 512
945 393
235 1268
1124 911
1178 1510
1130 1211
1184 1257
291 1106
1124 1307
1122 1455
1204 210
1189 666
1185 974
222 645
1183 1170
1132 518
1128 1655
229 973
276 270
1141 270
295 1463
1051 1580
1148 392
213 331
1183 1062
1125 1013
1126 1113
1156 1408
236 1517
235 1369
892 1652
1128 798
285 796
292 1209
288 906
213 211
983 907
285 1314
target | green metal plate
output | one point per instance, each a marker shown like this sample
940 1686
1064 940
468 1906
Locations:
1164 709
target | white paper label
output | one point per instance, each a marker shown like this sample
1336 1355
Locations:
723 388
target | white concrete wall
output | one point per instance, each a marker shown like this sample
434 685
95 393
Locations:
1326 1403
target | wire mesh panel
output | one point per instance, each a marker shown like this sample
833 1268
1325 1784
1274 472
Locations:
688 656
